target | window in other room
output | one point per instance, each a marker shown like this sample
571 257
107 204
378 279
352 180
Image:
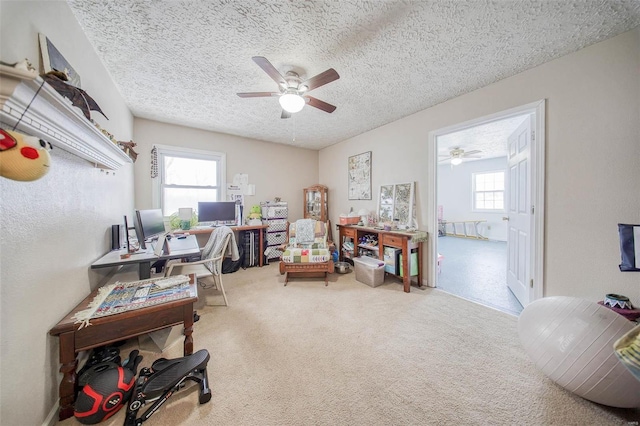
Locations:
187 176
488 191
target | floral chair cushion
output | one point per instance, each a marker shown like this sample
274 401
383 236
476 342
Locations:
313 249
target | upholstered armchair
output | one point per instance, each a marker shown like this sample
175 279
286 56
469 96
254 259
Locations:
308 250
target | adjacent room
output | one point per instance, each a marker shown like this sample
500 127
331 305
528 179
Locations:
371 247
472 215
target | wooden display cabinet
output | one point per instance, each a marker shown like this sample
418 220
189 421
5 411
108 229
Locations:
315 203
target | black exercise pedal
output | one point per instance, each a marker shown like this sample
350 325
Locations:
163 379
168 372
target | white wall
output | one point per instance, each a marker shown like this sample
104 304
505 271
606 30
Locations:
455 196
592 159
276 170
54 228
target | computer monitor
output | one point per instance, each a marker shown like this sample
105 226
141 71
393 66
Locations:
149 224
217 212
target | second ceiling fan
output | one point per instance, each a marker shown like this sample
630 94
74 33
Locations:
293 91
457 154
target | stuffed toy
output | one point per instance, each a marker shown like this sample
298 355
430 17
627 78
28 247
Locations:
22 157
255 215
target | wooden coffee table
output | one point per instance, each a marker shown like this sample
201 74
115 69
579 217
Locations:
114 328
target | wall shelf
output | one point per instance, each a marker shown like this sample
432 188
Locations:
53 118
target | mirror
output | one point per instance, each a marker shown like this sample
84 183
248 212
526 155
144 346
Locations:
396 203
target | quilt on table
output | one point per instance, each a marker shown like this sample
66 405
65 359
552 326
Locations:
304 255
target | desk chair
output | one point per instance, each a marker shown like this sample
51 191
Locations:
221 243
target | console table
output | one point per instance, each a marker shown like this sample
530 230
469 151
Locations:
114 328
404 240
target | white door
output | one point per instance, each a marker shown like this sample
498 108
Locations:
520 211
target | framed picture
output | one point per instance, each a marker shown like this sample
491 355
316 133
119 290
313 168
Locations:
52 60
396 203
359 169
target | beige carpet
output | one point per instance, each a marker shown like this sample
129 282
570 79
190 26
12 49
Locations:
348 354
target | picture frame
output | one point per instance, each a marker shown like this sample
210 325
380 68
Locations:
359 176
396 203
52 60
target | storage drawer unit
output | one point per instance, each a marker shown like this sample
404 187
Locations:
275 215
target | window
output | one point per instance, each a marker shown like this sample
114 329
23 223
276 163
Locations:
186 176
488 191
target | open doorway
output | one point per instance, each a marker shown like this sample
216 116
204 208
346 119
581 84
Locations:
486 203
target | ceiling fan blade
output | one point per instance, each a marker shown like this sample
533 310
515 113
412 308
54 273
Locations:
321 79
257 94
472 156
317 103
475 151
270 69
285 114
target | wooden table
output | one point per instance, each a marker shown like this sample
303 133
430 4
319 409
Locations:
114 328
404 240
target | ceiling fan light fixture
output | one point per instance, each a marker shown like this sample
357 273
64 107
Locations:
455 161
291 102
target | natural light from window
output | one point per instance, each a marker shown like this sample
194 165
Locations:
488 191
187 180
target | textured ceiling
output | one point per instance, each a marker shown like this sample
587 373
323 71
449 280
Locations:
184 61
489 138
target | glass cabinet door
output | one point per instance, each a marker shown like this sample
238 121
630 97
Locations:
315 202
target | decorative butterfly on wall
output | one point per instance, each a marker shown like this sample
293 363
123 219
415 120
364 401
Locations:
78 97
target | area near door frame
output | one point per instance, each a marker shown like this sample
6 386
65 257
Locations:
537 242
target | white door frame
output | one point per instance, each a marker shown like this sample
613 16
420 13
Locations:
537 198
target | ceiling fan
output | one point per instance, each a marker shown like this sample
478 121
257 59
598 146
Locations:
457 154
292 94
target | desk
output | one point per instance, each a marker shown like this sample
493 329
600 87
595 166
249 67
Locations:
113 328
144 258
404 240
209 229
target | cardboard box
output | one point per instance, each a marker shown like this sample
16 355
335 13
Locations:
369 271
160 340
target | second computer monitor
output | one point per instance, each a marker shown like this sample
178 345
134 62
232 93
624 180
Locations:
217 212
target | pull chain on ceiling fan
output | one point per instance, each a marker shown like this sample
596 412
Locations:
292 94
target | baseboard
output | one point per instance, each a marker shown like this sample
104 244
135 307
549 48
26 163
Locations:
52 417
